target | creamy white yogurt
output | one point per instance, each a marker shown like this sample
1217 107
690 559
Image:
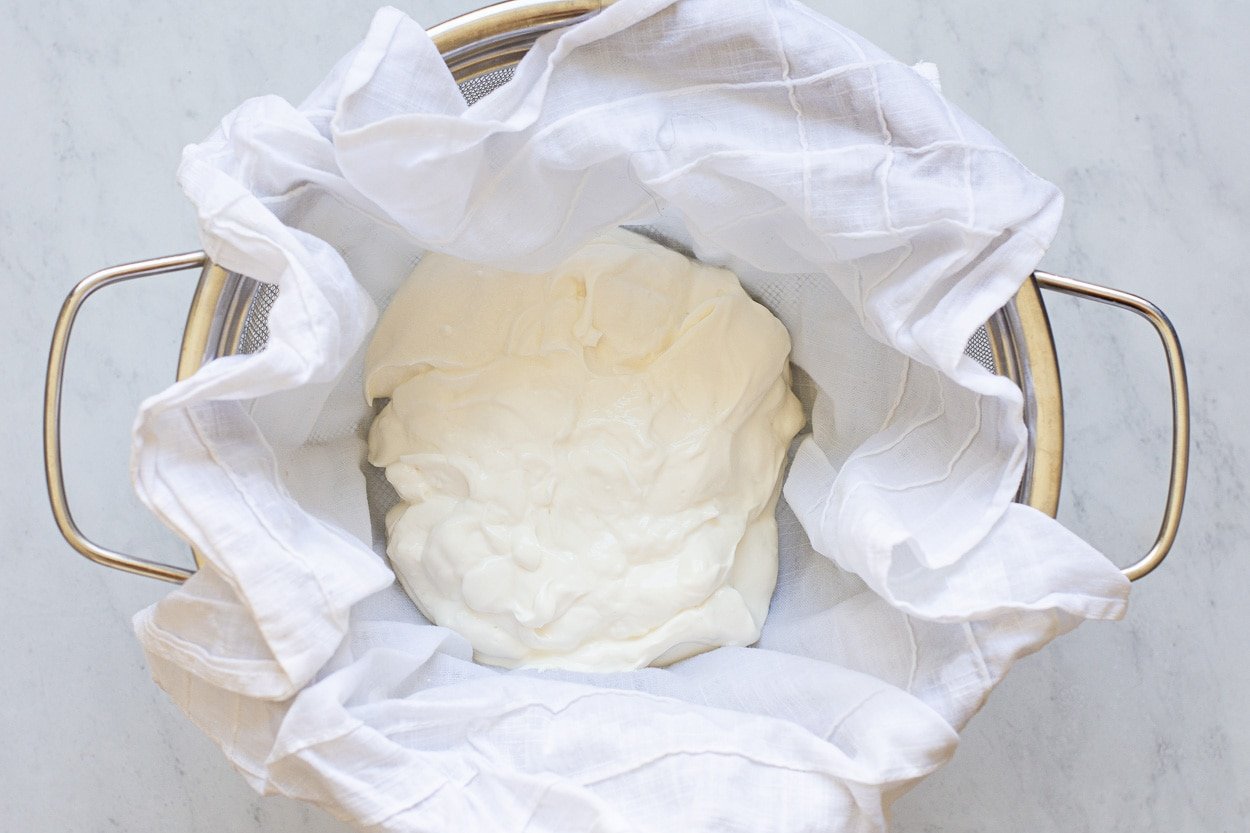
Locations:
588 461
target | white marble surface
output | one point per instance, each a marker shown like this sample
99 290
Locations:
1138 110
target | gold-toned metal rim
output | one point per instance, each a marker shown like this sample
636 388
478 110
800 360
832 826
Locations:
1036 371
499 35
199 331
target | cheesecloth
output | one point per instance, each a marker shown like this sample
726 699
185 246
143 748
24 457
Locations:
876 220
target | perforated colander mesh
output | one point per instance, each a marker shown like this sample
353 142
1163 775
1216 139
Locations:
255 332
476 88
979 349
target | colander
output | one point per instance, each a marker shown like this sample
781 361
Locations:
229 312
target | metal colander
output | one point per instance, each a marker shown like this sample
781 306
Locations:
230 312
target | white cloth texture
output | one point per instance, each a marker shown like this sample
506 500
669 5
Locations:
876 220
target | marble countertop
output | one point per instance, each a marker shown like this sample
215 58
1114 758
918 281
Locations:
1137 110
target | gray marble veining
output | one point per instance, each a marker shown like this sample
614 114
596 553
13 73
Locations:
1137 110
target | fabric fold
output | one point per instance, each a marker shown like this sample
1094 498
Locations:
876 220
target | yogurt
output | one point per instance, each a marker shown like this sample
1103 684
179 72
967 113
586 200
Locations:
588 460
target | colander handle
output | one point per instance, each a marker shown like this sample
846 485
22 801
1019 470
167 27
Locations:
1180 405
52 412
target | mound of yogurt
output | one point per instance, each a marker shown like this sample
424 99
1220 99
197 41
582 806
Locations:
588 460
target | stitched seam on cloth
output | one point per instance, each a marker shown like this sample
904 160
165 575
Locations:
414 725
493 184
740 220
959 224
954 123
885 187
411 725
229 475
1008 485
898 396
357 803
381 219
1064 601
210 662
538 802
950 466
600 806
885 135
157 478
840 780
898 401
986 678
244 231
972 203
349 725
907 251
937 414
798 112
244 766
234 732
820 153
174 495
390 814
299 273
915 654
849 713
293 266
860 307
